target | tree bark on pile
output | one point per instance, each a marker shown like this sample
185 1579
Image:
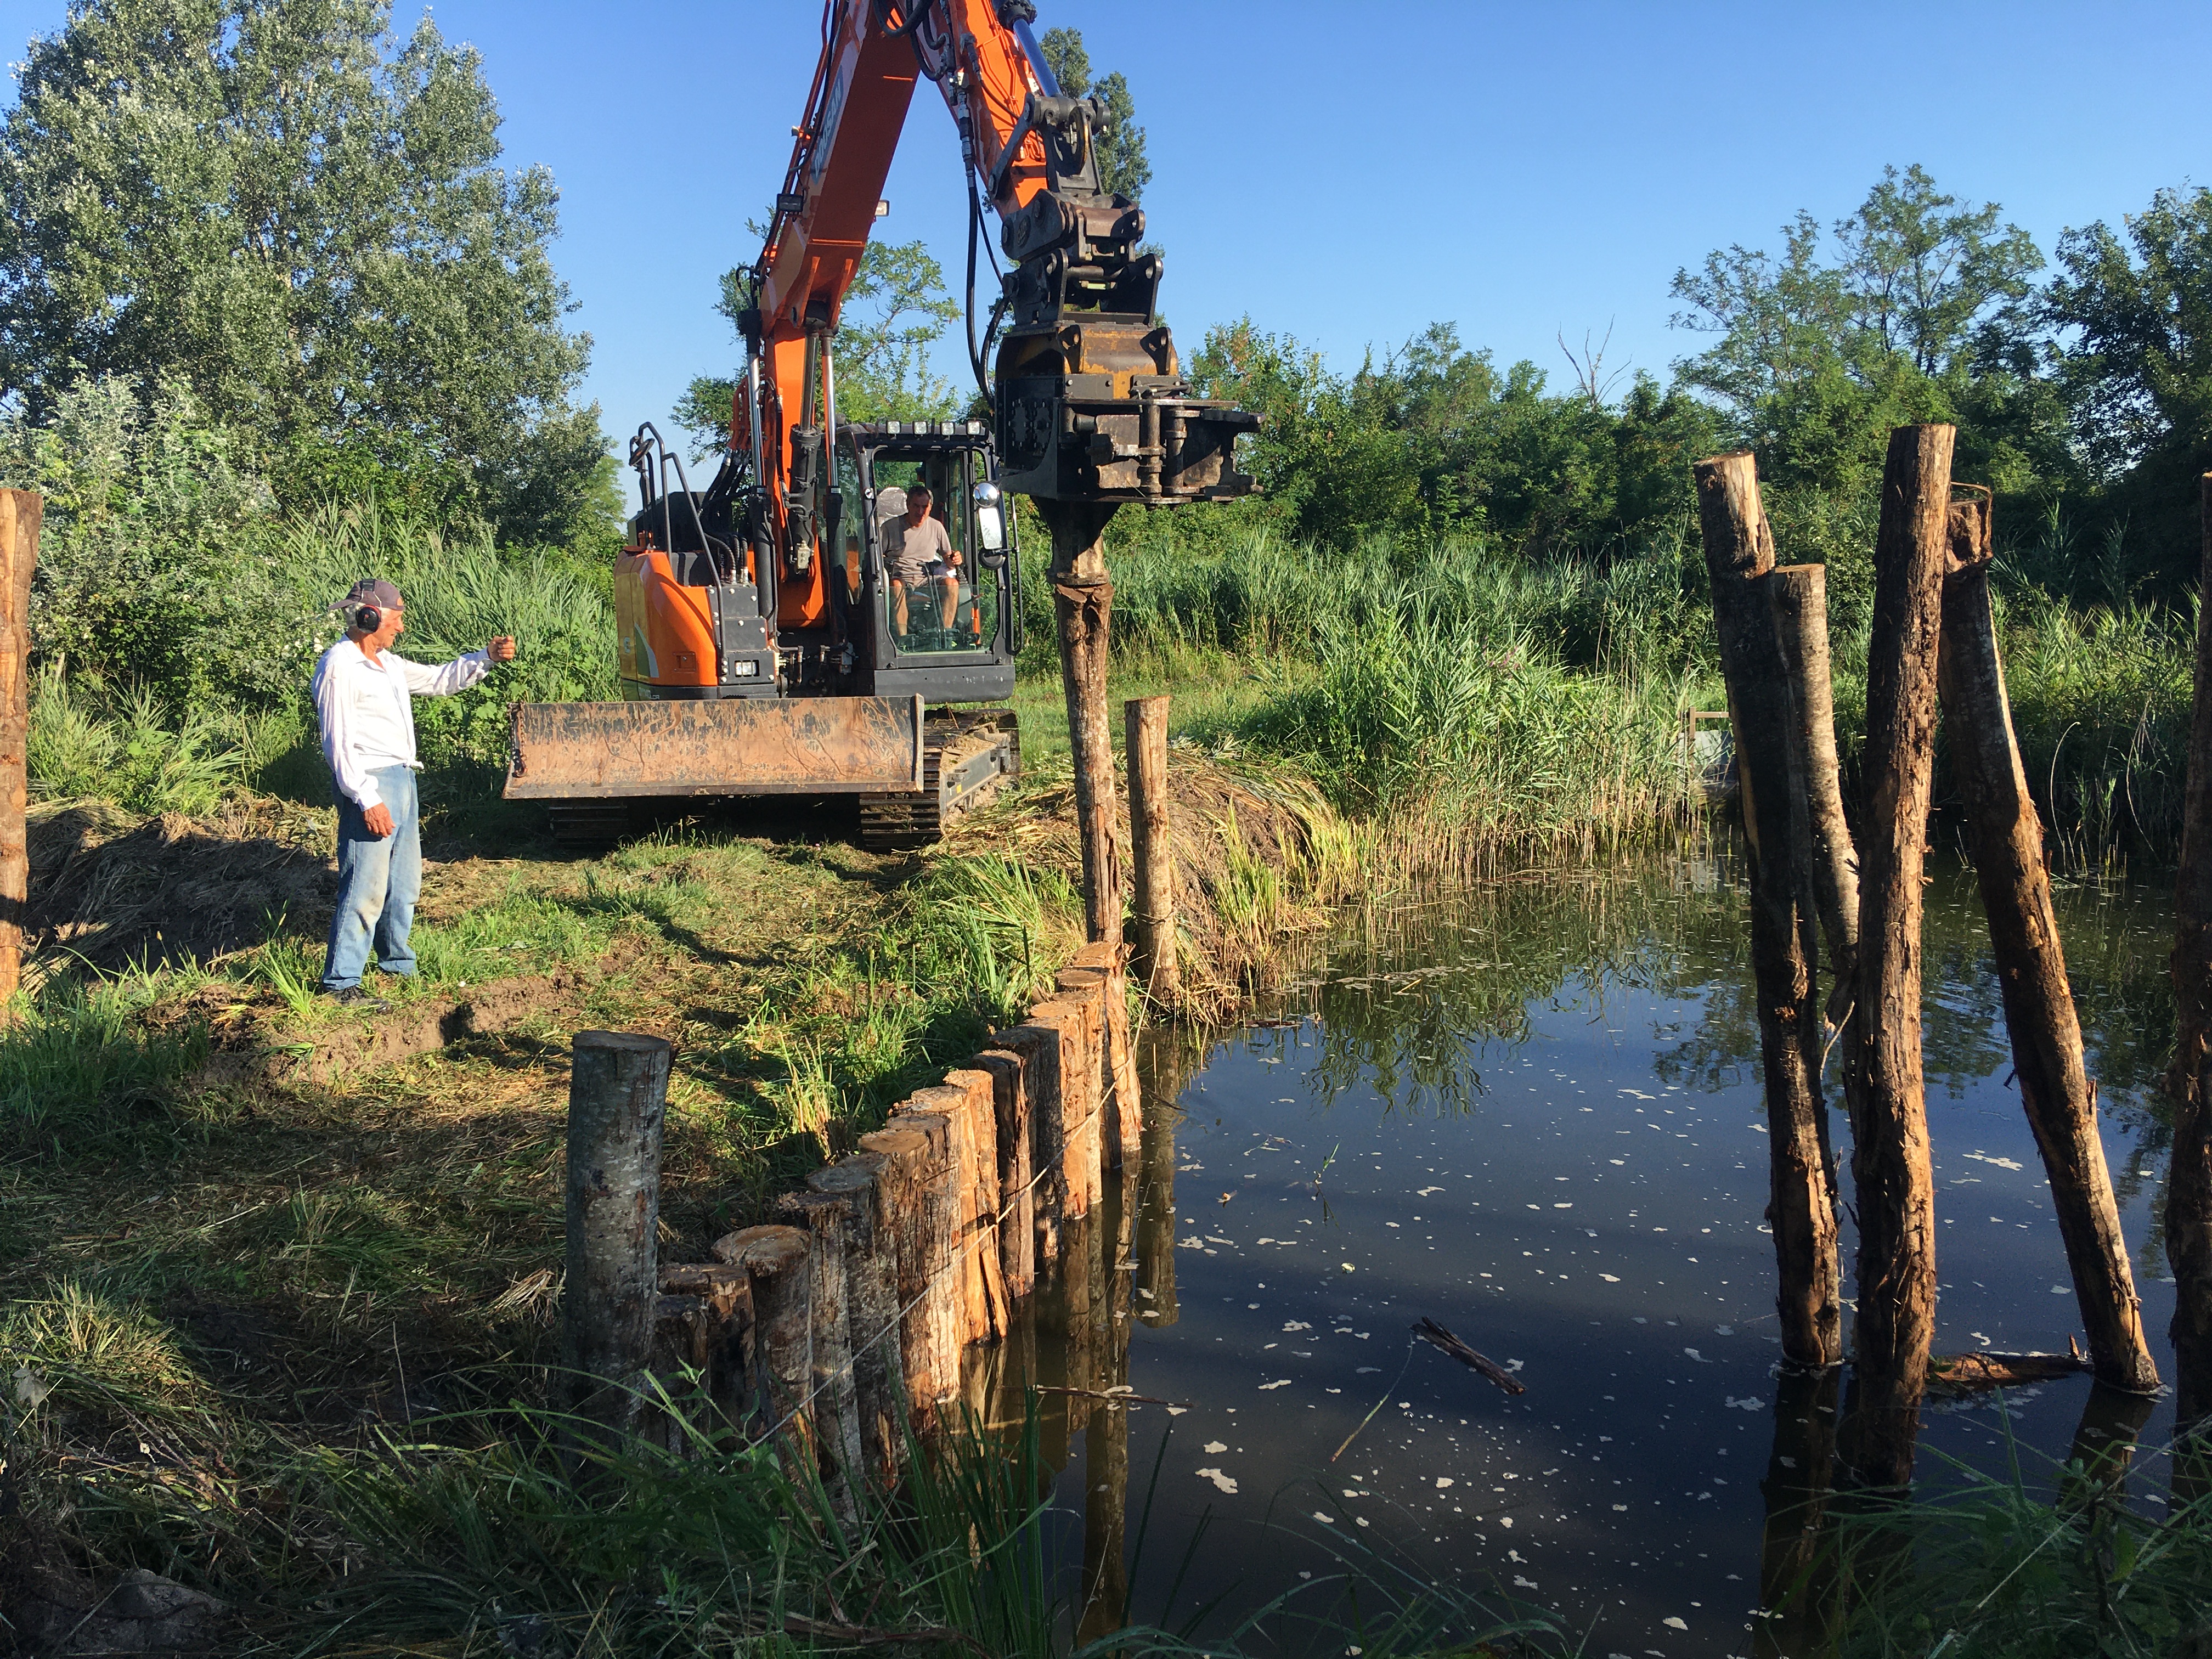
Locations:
2189 1182
1738 550
1890 1163
2007 838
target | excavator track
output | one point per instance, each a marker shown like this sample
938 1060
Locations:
966 759
590 826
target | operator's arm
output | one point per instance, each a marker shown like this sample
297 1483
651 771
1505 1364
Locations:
334 709
447 678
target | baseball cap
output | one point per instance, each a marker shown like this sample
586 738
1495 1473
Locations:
373 590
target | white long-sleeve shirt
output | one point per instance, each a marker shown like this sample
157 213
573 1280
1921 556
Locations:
366 712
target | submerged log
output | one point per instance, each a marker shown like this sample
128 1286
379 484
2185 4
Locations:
1889 1110
2189 1178
2006 839
1489 1370
1739 549
1957 1375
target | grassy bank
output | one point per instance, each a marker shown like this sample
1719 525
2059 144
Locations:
1494 703
232 1297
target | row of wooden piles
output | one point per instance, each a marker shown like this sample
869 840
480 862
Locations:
857 1316
1933 651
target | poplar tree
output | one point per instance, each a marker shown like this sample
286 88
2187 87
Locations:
283 207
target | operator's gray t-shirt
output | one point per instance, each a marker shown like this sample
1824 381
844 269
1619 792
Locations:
910 549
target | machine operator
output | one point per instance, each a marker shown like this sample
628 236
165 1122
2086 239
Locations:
364 702
919 553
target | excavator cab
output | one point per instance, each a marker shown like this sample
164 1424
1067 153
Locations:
953 634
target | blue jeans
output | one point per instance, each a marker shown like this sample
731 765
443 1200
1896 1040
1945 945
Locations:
379 878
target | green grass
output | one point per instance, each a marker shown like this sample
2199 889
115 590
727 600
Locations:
1989 1568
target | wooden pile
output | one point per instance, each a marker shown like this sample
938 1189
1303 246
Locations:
846 1322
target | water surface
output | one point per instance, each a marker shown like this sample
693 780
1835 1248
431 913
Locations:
1530 1111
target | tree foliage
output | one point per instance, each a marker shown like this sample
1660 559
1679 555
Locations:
896 309
2133 309
301 218
1436 439
1919 312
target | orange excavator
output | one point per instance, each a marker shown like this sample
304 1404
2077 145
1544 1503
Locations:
772 639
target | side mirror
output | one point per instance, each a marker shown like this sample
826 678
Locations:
991 528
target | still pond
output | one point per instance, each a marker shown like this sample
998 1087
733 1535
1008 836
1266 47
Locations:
1530 1110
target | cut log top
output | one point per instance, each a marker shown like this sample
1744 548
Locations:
849 1177
898 1142
941 1098
764 1252
623 1043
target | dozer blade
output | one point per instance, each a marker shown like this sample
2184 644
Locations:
748 746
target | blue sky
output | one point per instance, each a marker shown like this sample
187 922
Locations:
1350 173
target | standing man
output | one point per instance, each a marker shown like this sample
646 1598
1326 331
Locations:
364 697
920 555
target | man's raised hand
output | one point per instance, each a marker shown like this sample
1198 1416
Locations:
501 648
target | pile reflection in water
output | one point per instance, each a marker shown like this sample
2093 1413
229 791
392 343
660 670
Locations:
1530 1111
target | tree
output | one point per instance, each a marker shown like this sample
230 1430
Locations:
1921 313
896 310
281 206
2134 309
1925 277
1123 168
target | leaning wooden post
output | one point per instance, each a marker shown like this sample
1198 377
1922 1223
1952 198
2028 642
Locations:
1889 1110
1739 549
617 1088
1083 603
1798 594
1152 841
2189 1180
2006 839
20 511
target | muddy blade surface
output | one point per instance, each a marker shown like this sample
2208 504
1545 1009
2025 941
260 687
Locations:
610 752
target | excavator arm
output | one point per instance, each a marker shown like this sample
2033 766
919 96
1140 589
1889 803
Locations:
1089 406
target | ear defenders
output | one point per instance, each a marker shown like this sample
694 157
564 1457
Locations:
368 619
